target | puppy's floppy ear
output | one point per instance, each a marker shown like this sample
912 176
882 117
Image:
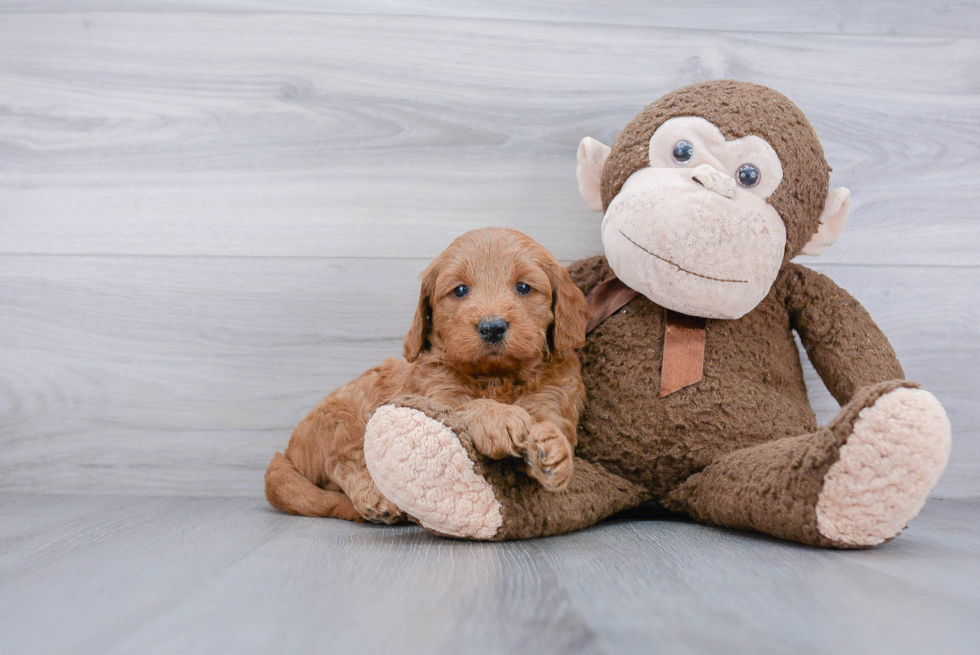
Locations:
569 307
417 338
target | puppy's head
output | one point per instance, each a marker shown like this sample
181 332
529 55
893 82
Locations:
495 301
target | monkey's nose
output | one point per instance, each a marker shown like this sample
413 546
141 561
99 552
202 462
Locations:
714 180
492 329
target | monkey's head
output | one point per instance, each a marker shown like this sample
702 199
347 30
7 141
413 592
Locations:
708 193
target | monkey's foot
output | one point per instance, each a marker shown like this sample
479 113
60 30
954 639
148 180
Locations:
423 467
894 456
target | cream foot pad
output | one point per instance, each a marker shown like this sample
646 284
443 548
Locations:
420 465
897 451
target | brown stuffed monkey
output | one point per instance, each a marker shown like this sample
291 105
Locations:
695 392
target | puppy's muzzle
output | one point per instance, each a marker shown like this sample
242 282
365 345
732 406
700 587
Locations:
492 329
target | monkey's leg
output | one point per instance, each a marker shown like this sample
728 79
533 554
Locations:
852 484
421 458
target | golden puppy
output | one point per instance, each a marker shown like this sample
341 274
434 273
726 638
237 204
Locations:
494 337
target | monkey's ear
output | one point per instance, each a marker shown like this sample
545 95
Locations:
832 221
591 159
417 338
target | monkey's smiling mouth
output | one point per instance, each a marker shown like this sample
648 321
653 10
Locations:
677 266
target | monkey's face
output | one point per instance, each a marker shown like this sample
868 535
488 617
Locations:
693 231
701 224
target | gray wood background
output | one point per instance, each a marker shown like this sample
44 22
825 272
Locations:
213 212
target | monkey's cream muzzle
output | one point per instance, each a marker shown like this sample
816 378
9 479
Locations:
691 240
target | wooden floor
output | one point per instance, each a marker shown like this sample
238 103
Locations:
109 574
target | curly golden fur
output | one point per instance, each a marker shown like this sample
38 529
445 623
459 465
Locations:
520 393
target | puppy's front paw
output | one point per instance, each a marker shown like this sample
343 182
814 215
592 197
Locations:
549 457
497 430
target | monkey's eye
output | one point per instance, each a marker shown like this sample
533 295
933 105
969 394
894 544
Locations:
683 151
522 288
748 175
461 291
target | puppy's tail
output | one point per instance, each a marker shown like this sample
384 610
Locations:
290 491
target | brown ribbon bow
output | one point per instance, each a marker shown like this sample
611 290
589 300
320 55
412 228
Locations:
684 336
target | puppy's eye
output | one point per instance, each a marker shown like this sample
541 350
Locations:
682 152
461 291
748 175
522 288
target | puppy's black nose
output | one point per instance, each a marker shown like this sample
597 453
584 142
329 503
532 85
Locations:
492 329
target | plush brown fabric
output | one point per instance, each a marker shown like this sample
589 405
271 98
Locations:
774 487
841 339
752 390
738 109
593 494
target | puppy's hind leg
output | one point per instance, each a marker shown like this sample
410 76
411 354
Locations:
322 472
342 420
290 491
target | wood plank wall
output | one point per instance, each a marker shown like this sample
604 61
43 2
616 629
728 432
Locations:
213 212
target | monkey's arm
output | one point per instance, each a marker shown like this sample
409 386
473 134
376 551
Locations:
846 347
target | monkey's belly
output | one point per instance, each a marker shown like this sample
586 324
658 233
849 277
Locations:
752 392
660 442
